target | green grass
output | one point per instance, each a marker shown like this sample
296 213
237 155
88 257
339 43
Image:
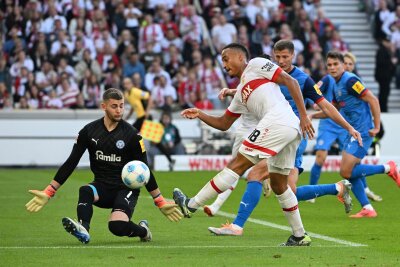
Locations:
39 239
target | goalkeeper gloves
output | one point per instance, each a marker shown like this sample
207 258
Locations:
40 198
168 208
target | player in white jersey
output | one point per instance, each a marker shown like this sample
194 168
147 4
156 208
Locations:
275 137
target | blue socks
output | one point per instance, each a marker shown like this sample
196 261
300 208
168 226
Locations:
307 192
362 170
249 201
315 174
358 190
364 181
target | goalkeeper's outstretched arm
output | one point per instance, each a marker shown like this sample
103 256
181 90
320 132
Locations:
41 198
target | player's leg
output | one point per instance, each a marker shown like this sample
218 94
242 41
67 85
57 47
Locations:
279 168
220 183
324 142
120 223
88 195
212 209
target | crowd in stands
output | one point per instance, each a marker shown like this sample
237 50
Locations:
63 53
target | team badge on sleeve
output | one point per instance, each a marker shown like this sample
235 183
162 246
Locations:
316 87
358 87
142 146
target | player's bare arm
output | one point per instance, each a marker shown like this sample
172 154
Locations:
375 110
222 123
295 92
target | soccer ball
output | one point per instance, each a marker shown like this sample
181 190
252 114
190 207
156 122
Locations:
135 174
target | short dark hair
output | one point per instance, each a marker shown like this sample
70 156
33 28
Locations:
239 47
284 44
335 55
113 93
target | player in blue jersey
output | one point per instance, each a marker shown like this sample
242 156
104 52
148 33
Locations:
329 132
361 109
284 53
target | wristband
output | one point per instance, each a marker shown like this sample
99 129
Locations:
50 190
159 201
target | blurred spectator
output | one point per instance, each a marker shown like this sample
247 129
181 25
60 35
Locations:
163 94
132 15
381 15
155 71
133 66
390 20
321 22
253 8
53 101
189 90
4 94
49 23
336 43
203 102
148 56
69 94
5 76
212 81
106 56
87 64
92 92
223 33
150 32
80 23
384 71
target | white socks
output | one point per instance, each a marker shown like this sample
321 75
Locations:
289 204
223 181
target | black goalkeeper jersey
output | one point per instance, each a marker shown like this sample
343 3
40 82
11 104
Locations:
108 152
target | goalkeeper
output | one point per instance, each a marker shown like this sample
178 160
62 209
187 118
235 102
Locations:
111 143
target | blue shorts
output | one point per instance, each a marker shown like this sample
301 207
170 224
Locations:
327 137
299 155
352 147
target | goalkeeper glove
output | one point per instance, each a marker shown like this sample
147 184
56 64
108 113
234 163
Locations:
168 208
40 198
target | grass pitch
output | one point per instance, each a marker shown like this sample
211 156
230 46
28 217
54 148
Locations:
40 240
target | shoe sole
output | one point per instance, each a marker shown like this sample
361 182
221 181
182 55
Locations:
71 228
186 212
216 232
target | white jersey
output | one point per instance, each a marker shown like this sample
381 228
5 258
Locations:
259 95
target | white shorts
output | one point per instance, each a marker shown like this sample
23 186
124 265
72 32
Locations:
276 142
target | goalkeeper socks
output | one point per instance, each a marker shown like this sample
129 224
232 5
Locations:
84 209
289 204
362 170
123 228
249 201
307 192
220 183
359 192
315 174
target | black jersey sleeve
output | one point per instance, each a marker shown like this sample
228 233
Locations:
139 153
70 164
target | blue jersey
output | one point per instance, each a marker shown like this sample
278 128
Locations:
327 87
357 112
308 88
311 91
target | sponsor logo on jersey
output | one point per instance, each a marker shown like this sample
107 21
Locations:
358 87
246 92
316 87
120 144
268 66
248 149
110 158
